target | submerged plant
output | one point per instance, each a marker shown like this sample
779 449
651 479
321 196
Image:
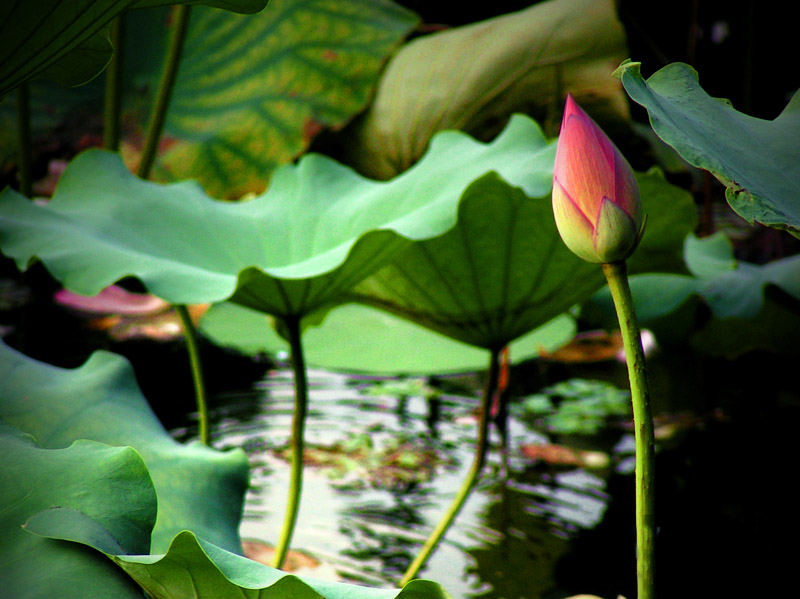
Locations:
599 215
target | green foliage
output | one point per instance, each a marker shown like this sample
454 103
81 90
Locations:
481 290
253 91
472 77
193 567
87 476
359 338
757 160
468 286
101 494
750 306
68 42
101 401
574 407
317 231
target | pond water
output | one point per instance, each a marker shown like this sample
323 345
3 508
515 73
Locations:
384 462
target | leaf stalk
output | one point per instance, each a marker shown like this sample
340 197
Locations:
297 442
481 447
616 275
190 334
180 24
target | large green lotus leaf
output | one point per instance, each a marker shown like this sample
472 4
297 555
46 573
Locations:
198 488
472 77
317 231
253 91
499 273
358 338
68 42
503 269
193 567
758 160
87 476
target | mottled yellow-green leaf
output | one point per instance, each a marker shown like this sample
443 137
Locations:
253 91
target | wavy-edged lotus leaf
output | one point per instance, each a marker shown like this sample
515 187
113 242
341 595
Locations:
253 91
472 77
500 272
359 338
503 269
193 567
68 42
198 488
757 160
317 231
88 476
761 299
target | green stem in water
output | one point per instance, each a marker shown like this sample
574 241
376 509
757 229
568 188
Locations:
113 99
190 333
24 144
481 446
297 441
616 274
180 23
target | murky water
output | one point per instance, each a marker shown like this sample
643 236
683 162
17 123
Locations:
382 469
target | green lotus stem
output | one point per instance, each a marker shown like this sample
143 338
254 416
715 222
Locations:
180 23
190 334
481 446
297 441
113 98
24 144
616 274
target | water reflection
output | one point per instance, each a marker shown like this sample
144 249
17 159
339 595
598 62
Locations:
383 463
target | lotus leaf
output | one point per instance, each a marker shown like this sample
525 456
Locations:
88 476
314 234
198 488
756 159
254 91
752 306
68 41
192 567
358 338
503 269
472 77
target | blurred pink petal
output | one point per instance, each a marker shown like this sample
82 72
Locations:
112 300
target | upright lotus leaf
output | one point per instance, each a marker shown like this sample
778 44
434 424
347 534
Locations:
316 232
472 77
252 92
503 270
359 338
68 41
193 567
87 476
756 159
198 488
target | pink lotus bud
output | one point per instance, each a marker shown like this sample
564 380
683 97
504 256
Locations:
596 200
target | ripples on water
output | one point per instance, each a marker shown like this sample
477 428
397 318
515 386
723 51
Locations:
367 524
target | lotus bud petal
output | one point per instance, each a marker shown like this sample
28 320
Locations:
596 200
